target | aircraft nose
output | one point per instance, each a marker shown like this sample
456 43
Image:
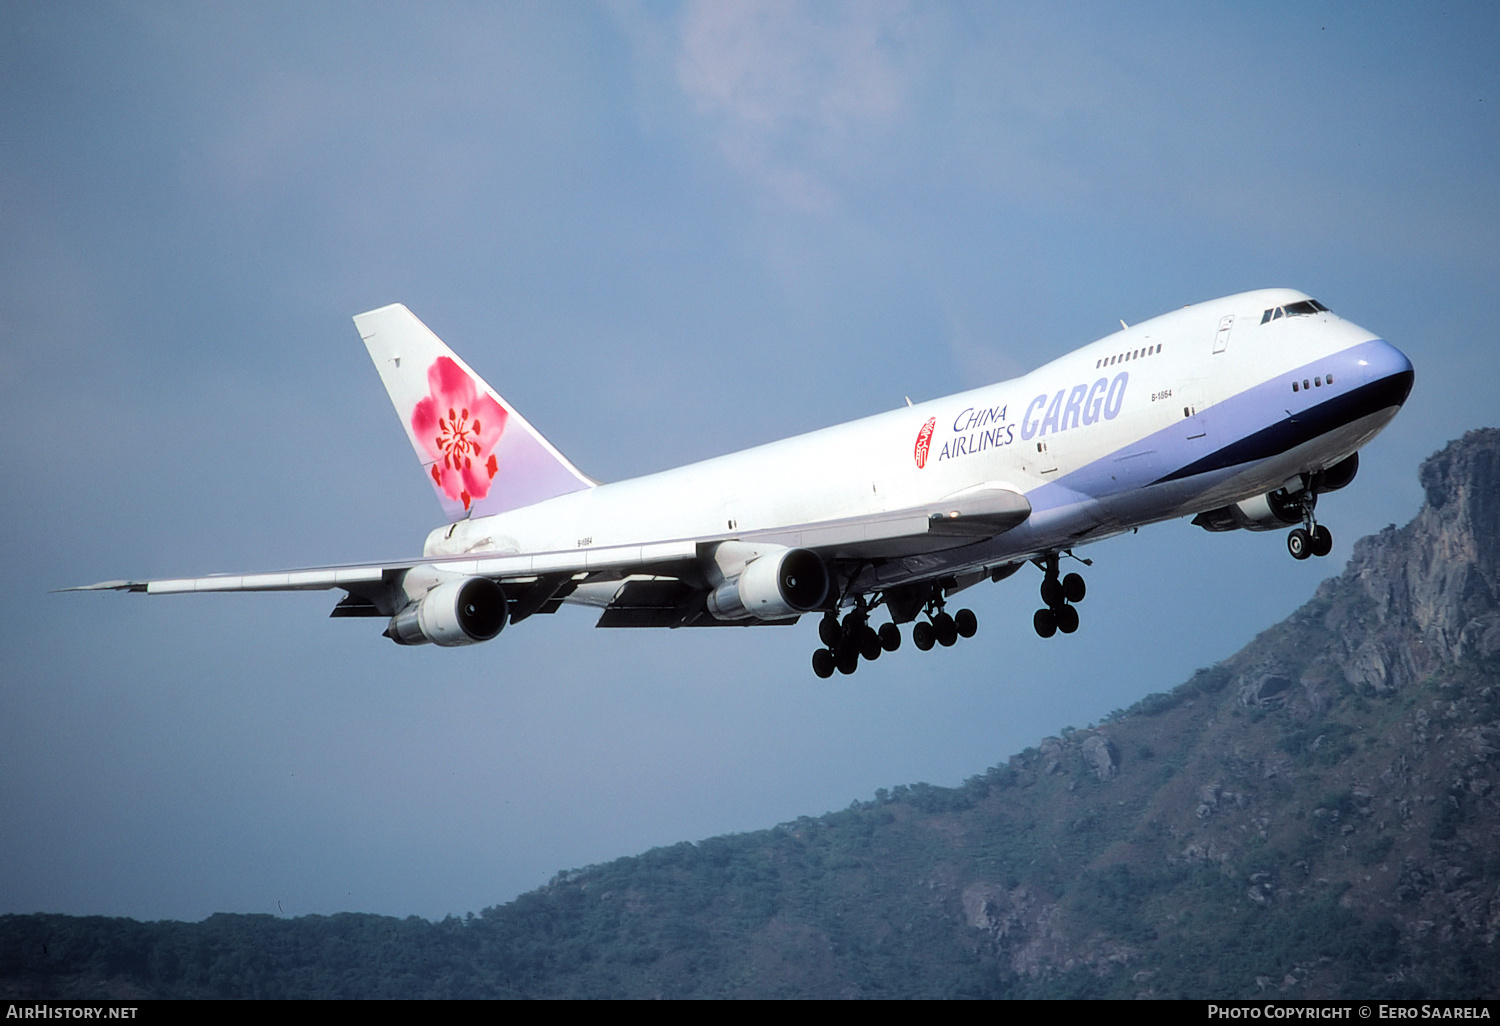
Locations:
1387 367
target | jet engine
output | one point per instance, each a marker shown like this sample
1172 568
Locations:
1336 476
462 612
1270 512
773 586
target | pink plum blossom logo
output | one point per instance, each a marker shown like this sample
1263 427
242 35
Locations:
924 442
458 426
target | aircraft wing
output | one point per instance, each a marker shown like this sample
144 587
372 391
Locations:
352 576
959 519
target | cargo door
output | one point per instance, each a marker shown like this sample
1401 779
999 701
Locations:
1221 337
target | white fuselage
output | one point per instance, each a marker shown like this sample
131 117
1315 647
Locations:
1176 415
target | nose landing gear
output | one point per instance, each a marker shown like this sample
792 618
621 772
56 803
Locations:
1312 539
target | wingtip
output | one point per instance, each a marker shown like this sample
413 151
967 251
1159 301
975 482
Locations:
105 586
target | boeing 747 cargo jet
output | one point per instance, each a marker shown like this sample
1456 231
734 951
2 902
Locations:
1239 413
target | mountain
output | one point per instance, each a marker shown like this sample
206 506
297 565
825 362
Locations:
1316 816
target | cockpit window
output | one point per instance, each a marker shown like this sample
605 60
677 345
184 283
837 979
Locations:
1306 306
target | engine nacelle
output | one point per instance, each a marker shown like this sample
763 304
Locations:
1270 512
773 586
1336 476
463 612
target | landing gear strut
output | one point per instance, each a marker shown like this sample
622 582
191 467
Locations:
1312 539
1059 595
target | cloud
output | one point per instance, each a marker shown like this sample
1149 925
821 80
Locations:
786 85
774 63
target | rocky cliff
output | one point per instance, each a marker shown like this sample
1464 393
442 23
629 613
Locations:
1427 595
1343 765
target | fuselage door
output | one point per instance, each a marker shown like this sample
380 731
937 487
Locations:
1194 398
1042 462
1221 339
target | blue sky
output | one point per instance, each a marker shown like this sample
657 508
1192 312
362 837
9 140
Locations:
664 232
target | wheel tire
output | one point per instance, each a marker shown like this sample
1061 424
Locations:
945 629
823 663
1322 541
1299 543
848 661
1073 588
869 644
1052 592
1045 623
922 636
829 631
1067 619
966 622
890 637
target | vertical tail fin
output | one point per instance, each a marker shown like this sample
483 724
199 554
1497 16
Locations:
481 456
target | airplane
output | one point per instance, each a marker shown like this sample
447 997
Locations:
1239 413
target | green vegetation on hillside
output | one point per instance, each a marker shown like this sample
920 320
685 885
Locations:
1045 877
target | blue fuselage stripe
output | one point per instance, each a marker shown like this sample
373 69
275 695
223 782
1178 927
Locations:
1258 423
1293 430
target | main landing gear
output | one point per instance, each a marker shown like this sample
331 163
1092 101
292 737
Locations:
941 629
1312 539
850 640
855 639
1059 596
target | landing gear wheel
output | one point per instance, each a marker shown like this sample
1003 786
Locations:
869 644
1073 588
1052 592
848 661
1299 543
890 637
1322 541
829 631
1045 623
966 622
946 630
922 635
823 663
1067 619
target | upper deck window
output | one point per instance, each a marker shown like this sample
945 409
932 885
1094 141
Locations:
1306 306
